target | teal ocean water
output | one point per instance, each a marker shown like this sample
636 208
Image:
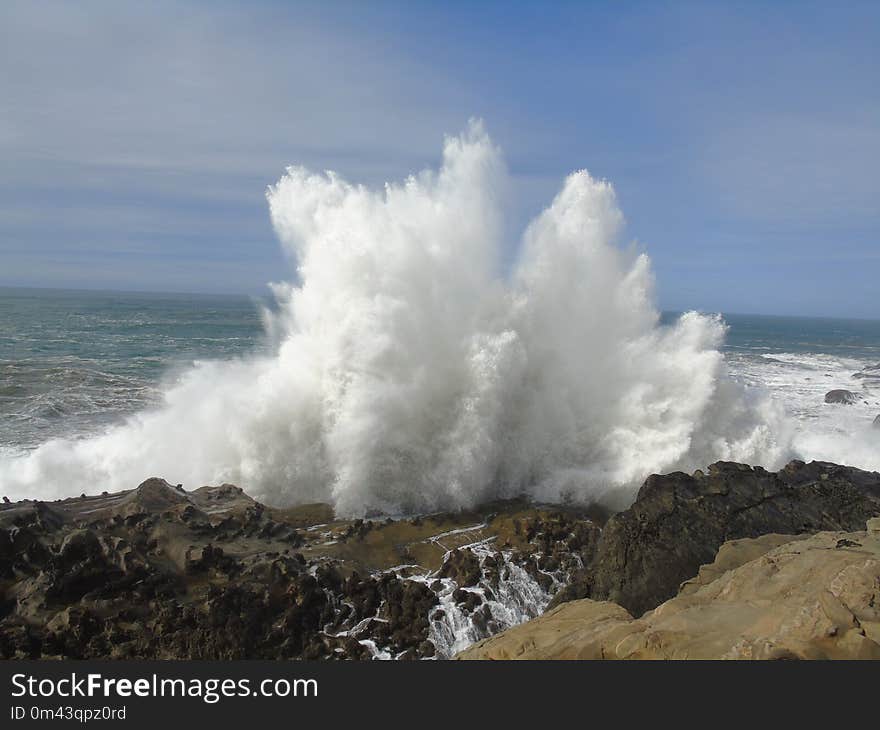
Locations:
847 338
73 362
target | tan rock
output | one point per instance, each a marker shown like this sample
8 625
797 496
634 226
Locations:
732 554
773 597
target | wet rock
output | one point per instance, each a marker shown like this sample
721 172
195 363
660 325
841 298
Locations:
844 397
463 567
869 373
358 529
467 600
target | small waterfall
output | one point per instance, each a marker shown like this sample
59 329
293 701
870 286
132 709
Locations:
506 595
510 589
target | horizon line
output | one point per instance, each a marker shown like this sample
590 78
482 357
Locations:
268 296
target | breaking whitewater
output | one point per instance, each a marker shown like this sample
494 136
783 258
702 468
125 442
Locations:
409 374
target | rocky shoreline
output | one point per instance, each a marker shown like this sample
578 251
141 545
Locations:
160 572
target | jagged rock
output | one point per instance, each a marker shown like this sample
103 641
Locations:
463 567
877 421
467 600
78 546
158 572
817 597
678 522
845 397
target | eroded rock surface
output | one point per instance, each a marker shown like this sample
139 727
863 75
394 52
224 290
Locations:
158 572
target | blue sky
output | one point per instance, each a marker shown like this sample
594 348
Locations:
137 139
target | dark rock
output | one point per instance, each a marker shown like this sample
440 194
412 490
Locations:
678 522
580 585
463 567
467 600
78 546
871 372
208 558
845 397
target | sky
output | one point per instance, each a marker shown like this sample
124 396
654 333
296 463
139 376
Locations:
743 139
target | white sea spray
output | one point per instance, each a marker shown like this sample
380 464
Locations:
409 375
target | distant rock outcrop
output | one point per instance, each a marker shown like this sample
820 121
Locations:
774 597
870 373
840 396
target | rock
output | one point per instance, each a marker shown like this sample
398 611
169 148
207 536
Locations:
78 546
732 555
156 572
678 522
802 599
869 373
845 397
463 567
877 421
159 573
579 627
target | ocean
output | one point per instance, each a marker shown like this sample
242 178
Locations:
75 363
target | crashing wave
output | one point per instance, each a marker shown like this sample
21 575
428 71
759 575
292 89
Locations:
410 375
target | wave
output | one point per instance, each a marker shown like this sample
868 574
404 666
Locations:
408 374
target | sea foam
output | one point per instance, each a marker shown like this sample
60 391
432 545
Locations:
409 374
